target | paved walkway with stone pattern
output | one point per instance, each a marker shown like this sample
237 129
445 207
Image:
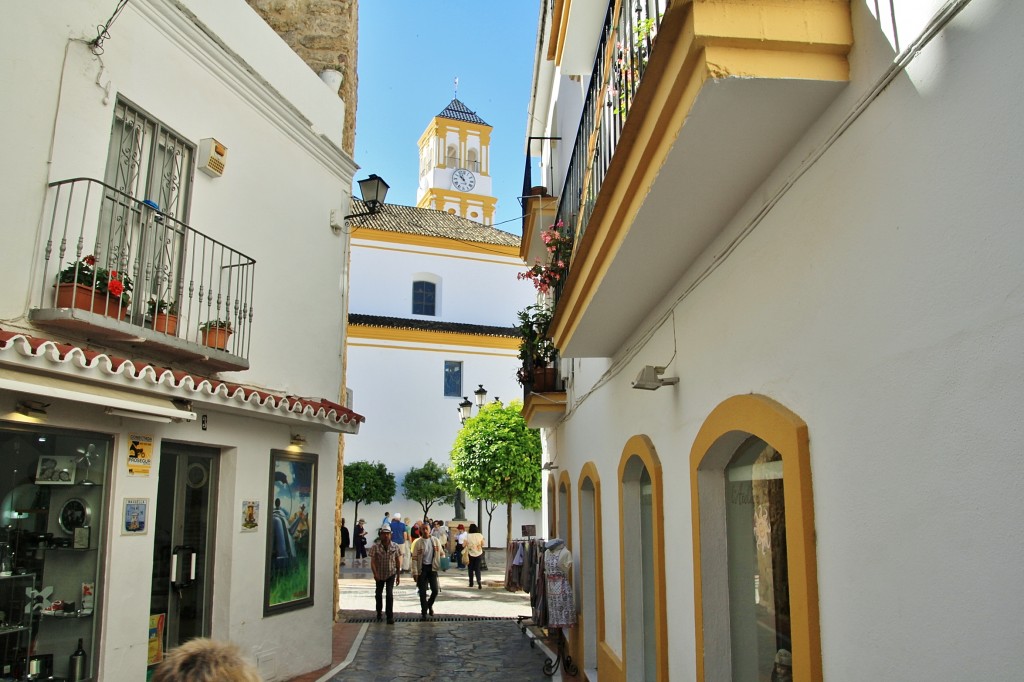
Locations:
473 636
445 650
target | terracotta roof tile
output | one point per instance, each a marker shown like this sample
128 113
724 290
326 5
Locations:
89 364
430 223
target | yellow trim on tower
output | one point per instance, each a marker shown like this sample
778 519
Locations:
430 336
698 41
760 416
642 447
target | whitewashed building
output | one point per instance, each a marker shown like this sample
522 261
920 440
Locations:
179 159
791 334
433 306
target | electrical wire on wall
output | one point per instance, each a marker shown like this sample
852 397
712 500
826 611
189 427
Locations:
96 44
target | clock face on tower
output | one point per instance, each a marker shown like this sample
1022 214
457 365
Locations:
463 180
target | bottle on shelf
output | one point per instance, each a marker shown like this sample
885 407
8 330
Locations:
77 664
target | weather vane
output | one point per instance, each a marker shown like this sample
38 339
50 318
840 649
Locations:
456 87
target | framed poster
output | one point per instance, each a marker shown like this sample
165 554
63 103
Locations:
136 516
250 516
56 470
291 532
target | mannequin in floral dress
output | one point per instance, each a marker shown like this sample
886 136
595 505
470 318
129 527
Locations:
557 569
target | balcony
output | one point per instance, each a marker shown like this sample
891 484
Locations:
544 398
690 107
118 271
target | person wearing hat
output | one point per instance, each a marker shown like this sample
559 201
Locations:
400 536
386 565
783 671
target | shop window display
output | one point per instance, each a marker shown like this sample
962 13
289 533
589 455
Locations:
52 512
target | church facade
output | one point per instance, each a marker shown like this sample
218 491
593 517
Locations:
433 305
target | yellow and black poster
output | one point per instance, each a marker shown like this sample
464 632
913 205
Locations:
140 454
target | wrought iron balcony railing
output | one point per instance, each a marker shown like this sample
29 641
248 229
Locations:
131 268
623 51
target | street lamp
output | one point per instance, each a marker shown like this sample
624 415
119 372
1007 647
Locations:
372 190
465 412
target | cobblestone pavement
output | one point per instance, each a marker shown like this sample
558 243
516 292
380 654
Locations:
481 650
474 634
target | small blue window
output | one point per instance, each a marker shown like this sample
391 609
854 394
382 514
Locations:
452 378
423 296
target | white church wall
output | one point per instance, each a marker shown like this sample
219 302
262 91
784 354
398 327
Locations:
410 419
475 288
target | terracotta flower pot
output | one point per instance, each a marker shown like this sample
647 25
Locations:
216 337
84 298
544 379
166 323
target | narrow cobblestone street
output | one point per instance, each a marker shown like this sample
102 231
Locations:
474 634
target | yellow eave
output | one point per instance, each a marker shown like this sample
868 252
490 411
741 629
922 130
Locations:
365 332
427 241
544 409
698 42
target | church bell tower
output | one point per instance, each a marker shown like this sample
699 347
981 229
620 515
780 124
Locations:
455 160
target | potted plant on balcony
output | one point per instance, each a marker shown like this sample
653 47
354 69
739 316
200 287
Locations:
85 285
536 350
216 333
546 275
163 314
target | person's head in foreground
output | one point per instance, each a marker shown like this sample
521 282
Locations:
206 660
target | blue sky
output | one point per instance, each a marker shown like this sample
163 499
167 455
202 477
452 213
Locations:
410 52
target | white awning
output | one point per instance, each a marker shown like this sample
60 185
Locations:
125 402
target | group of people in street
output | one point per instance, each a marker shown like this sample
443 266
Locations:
419 549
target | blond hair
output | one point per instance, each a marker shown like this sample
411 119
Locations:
206 660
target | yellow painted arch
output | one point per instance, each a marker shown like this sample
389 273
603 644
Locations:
732 421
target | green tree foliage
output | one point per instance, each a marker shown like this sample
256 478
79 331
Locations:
497 457
366 483
429 485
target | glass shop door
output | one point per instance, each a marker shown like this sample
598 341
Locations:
184 527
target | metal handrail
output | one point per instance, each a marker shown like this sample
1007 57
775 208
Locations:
98 234
625 45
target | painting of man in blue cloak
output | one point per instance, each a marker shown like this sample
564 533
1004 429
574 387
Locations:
290 529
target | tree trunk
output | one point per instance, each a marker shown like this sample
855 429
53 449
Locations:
508 523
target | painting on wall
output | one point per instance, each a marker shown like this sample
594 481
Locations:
290 532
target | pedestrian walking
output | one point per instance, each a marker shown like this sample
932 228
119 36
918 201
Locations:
460 546
426 557
360 543
346 540
400 536
386 564
475 549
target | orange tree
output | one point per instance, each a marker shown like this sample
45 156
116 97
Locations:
366 482
496 456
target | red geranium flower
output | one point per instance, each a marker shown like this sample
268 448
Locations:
115 287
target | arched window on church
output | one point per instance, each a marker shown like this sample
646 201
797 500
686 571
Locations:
452 157
424 297
471 161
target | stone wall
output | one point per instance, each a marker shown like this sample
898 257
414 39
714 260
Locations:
324 33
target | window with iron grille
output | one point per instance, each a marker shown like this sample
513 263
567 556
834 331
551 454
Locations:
149 162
